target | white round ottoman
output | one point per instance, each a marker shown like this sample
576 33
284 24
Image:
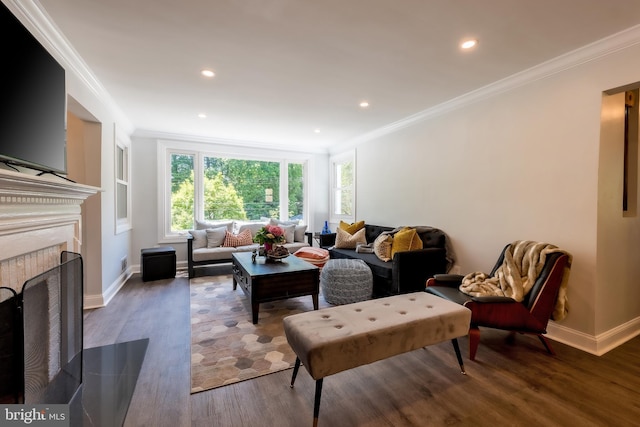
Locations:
344 281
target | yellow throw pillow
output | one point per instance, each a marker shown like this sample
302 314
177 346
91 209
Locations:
351 228
382 247
406 239
344 240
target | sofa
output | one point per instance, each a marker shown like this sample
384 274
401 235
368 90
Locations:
407 271
213 242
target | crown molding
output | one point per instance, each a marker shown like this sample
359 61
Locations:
591 52
40 24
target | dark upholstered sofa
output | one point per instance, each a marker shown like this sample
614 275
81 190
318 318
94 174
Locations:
408 271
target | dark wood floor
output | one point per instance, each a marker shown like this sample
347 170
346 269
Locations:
509 384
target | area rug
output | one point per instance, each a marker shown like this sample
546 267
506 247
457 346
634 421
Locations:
226 347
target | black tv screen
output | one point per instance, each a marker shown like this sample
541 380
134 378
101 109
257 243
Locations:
32 99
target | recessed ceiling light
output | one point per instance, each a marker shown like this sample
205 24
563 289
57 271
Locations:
317 130
207 73
202 115
364 104
468 44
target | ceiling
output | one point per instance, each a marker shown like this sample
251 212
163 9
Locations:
286 68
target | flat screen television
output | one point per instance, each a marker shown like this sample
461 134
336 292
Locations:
32 101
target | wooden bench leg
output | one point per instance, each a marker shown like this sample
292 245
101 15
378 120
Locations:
316 402
456 347
295 371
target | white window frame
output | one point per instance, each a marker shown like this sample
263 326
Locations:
334 162
199 151
122 144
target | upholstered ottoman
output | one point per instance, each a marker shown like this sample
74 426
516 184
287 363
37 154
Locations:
344 281
335 339
158 263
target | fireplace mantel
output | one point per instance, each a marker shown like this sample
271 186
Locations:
39 217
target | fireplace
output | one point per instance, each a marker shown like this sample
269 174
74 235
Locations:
40 219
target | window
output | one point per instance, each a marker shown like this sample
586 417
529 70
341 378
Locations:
296 180
217 186
343 188
182 195
241 189
122 193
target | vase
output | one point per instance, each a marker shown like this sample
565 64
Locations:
325 229
268 246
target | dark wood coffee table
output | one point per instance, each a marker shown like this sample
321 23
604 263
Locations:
264 281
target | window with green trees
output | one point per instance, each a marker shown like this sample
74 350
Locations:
343 187
215 188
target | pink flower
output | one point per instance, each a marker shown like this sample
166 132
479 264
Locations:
275 230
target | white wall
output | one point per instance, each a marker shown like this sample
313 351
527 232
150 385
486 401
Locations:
144 198
108 277
522 164
84 166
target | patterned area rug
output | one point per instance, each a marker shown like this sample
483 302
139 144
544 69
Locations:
226 347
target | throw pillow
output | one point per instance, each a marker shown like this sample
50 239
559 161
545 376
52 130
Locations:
382 247
253 227
351 228
215 236
344 240
289 232
199 238
312 253
234 240
203 225
299 233
315 256
406 239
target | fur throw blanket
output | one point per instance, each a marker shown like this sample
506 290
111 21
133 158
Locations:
523 261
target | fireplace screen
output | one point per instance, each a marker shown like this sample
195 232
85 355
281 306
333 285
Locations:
52 331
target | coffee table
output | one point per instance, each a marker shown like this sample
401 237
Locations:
264 281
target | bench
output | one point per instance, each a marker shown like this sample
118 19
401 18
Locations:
335 339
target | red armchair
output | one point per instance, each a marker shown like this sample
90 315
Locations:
530 316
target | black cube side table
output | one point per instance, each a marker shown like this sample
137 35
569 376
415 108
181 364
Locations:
158 263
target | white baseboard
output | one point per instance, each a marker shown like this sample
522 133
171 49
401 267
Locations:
101 300
93 301
599 344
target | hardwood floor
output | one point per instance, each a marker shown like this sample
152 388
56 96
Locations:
509 384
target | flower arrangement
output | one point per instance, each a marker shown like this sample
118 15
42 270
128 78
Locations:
270 234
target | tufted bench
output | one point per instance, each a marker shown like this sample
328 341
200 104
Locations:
335 339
